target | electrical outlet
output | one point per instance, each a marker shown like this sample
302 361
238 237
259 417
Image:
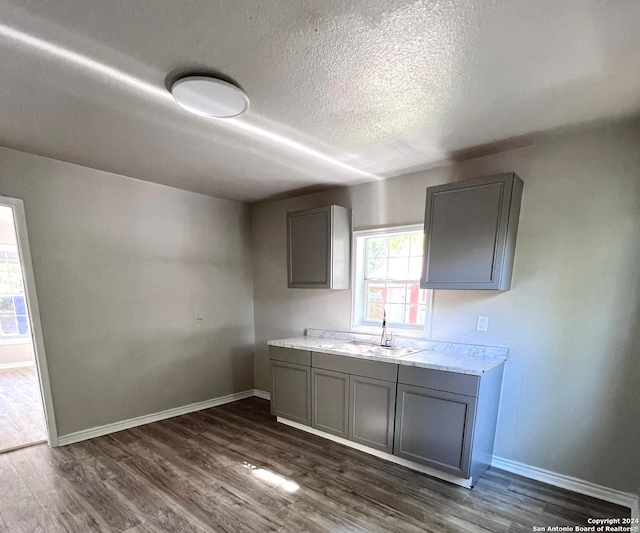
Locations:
199 319
483 323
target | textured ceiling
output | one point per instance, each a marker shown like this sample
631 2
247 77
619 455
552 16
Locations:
341 91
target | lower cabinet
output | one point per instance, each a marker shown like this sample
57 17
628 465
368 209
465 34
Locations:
440 419
330 401
357 408
350 400
371 412
435 428
446 420
291 384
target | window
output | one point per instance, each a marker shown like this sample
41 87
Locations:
13 309
387 278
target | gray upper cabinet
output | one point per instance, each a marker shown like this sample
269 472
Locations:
470 233
319 248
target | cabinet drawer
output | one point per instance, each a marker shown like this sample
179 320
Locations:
290 355
439 380
358 367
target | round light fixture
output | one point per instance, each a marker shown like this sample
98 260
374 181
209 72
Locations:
210 97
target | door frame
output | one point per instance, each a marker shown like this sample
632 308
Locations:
42 368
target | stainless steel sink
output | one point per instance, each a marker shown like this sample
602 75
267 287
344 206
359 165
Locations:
365 348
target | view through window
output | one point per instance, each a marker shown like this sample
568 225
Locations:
389 270
13 308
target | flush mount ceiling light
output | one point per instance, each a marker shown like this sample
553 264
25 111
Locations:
210 97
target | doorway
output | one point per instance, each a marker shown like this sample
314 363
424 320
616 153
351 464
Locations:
26 417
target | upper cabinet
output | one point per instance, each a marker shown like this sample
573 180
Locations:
319 248
470 233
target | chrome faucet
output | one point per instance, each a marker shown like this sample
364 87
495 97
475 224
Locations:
385 339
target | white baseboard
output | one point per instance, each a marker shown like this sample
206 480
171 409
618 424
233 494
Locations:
99 431
265 395
16 365
462 482
625 499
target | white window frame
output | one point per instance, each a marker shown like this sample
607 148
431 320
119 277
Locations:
358 294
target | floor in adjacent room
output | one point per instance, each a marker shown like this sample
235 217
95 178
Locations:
234 468
21 415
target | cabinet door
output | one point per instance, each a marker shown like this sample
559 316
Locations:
371 412
309 254
291 391
470 232
435 428
330 400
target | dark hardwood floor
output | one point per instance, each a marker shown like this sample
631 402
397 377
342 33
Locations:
233 468
21 415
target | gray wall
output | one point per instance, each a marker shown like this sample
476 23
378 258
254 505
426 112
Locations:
122 268
571 400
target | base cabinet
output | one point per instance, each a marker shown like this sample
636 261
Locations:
435 428
330 401
447 421
291 384
443 420
354 399
371 409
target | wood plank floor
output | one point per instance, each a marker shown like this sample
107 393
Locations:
21 415
233 468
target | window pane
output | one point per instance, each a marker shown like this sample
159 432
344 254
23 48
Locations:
399 246
6 305
20 307
416 314
413 293
417 243
374 312
398 268
3 256
376 269
12 257
23 325
415 267
422 296
395 313
377 247
16 283
396 293
5 282
375 293
374 305
8 324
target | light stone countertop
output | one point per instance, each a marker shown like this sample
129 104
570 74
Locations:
461 363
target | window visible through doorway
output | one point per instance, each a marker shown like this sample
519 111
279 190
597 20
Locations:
14 321
388 264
